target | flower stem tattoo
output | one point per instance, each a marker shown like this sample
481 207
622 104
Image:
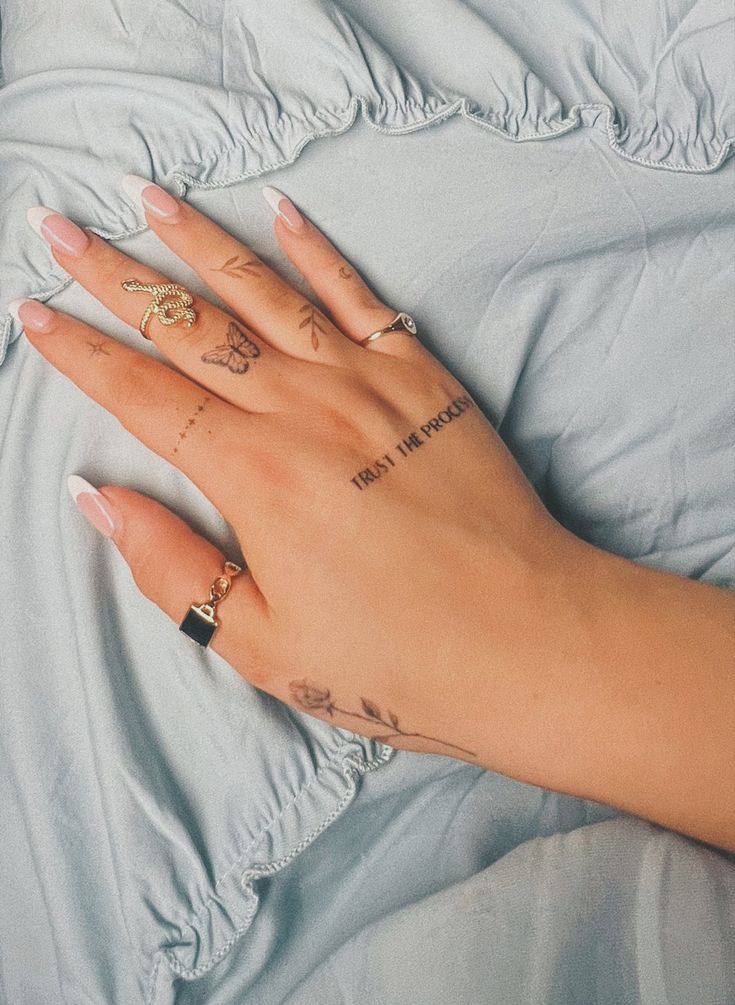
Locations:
238 271
311 697
312 318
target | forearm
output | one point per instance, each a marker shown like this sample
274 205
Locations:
632 699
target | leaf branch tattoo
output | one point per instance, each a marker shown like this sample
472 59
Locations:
245 268
312 318
310 697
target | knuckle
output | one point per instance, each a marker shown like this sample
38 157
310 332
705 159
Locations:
432 385
367 301
112 268
109 269
277 297
134 387
337 426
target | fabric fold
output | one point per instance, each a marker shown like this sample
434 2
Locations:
203 938
207 97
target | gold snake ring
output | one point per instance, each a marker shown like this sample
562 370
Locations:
171 303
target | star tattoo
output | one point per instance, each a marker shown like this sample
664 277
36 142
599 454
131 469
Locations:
98 349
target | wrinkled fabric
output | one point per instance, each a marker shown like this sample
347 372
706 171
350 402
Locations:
171 834
196 93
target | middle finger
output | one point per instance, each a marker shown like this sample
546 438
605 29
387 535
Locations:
272 307
217 350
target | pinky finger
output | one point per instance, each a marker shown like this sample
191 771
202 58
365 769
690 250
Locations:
355 309
174 567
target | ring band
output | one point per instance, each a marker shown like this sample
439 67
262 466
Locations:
402 322
171 303
201 622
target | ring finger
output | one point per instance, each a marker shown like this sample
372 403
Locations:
209 345
276 311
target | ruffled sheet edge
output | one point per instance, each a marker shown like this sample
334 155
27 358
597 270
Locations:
348 771
461 107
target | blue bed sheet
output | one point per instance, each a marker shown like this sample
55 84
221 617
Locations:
550 191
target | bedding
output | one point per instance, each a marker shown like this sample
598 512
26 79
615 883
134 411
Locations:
549 191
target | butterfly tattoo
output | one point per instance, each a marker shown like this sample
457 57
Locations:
235 355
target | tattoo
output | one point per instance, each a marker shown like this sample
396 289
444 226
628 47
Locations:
345 273
238 271
412 441
311 697
190 422
98 349
315 321
235 355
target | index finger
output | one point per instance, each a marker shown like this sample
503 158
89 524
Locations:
181 421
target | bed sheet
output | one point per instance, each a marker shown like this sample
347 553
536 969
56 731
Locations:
564 236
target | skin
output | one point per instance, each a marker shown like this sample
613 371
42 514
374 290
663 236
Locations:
436 605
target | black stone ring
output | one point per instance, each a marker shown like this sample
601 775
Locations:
201 622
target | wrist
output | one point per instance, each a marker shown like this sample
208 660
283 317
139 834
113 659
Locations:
644 694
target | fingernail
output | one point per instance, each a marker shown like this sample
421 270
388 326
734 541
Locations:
147 194
59 231
99 511
32 314
283 206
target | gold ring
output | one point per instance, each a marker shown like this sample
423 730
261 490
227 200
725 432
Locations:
402 322
201 622
171 303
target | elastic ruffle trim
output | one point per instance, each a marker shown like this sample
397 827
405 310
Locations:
232 907
232 159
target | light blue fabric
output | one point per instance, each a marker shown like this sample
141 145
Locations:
170 834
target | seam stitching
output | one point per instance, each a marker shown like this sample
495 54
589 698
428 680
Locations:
353 765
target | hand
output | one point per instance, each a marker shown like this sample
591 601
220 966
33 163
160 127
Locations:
396 553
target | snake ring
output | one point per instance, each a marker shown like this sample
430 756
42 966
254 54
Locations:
171 303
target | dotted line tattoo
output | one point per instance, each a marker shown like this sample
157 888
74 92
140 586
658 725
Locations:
191 421
412 442
310 697
245 268
315 321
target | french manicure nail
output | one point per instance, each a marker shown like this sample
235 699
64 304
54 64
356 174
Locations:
57 230
94 506
32 314
147 194
283 206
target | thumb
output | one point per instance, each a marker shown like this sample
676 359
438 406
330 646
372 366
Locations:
172 565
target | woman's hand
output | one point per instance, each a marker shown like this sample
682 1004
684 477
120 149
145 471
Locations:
405 581
396 553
